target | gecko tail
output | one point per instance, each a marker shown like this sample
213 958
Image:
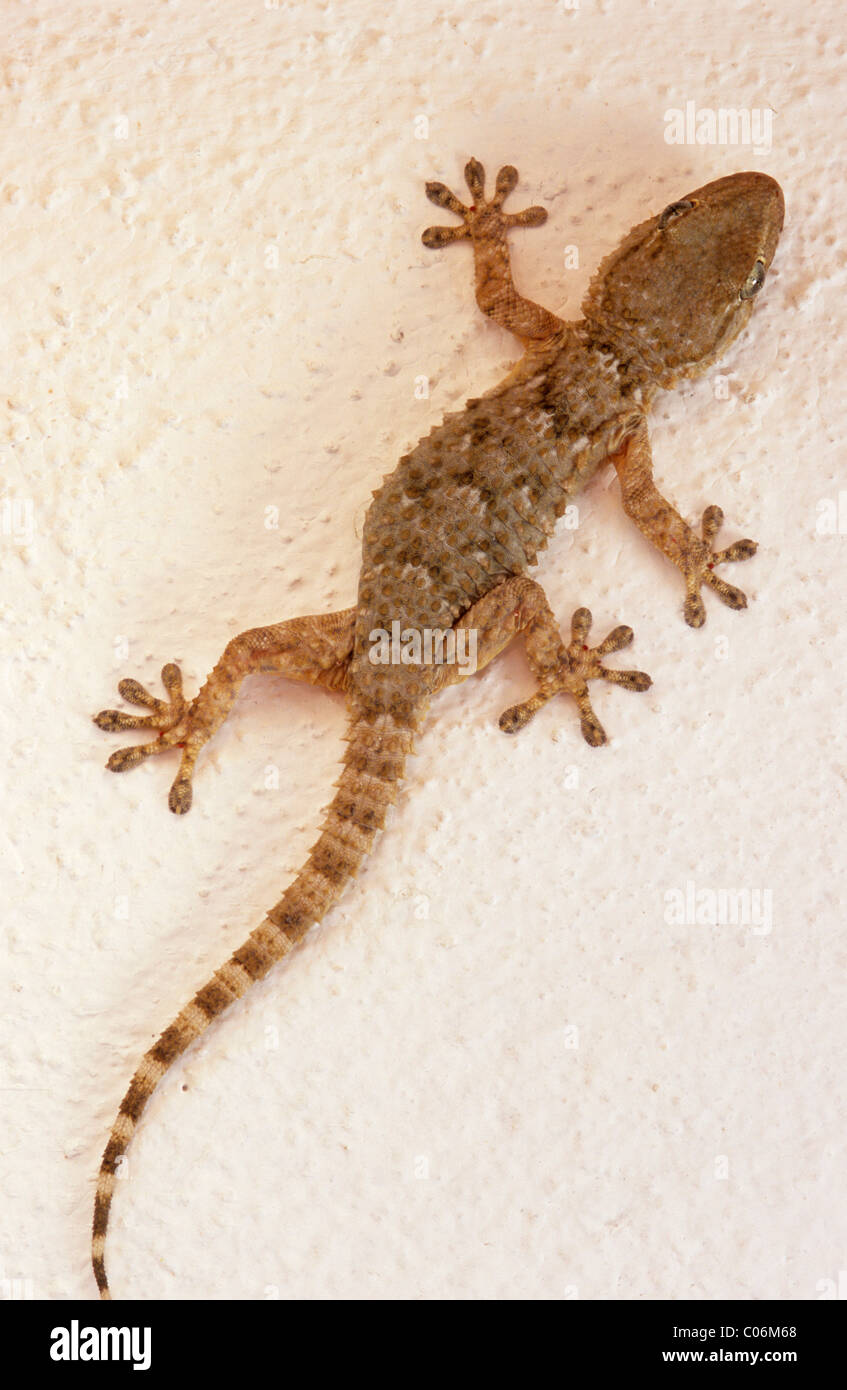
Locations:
373 767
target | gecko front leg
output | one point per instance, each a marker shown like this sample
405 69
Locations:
485 224
664 527
313 649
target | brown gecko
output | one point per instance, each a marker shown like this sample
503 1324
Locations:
451 533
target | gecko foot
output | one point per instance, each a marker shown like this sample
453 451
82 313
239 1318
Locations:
579 664
699 568
484 218
171 719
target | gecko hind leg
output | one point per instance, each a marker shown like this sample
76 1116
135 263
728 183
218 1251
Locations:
570 674
519 607
314 649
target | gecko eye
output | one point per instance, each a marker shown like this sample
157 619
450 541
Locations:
754 281
673 210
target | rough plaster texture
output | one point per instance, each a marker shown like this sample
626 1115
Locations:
498 1068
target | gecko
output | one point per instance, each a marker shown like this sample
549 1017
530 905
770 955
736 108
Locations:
451 534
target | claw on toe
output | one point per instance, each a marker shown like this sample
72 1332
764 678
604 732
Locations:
702 571
181 794
579 665
125 758
483 216
516 717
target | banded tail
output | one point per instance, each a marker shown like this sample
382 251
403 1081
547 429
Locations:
372 770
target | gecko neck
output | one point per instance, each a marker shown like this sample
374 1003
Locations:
637 369
577 426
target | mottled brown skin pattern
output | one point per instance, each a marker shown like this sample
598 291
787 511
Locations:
453 530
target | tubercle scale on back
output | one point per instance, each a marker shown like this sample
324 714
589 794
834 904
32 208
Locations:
373 766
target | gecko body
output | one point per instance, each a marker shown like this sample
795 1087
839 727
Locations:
451 534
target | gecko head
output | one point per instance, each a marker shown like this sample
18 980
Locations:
682 285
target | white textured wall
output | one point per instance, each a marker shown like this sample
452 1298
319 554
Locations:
162 389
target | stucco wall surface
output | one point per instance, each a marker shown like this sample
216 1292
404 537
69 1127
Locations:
512 1062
